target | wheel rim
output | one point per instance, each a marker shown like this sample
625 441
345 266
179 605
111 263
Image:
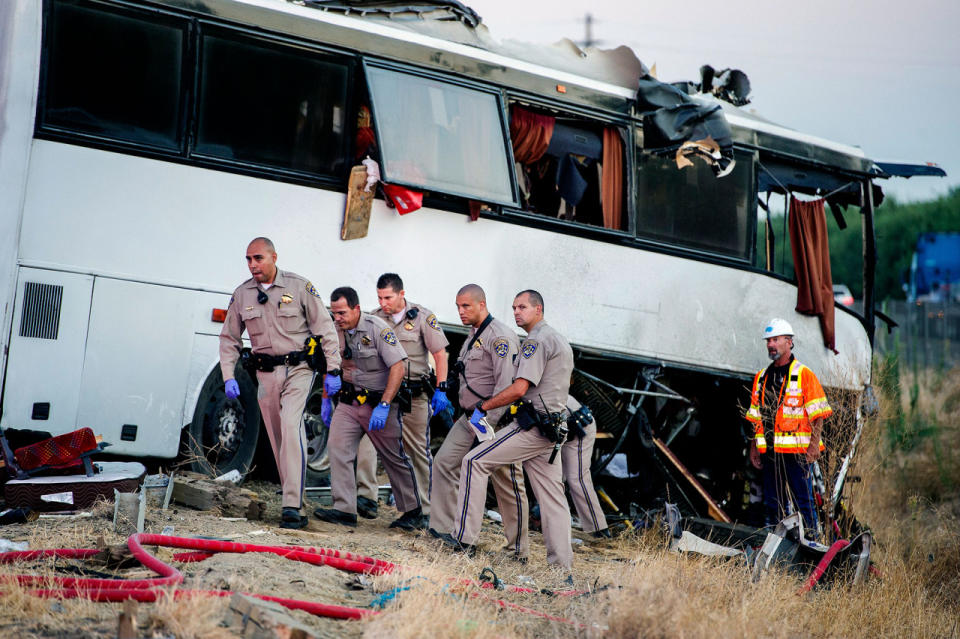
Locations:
223 434
316 433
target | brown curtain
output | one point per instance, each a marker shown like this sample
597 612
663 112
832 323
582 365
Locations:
811 260
530 133
611 187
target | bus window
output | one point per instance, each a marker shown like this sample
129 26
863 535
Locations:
113 74
569 168
440 137
692 207
271 105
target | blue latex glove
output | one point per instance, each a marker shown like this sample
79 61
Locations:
326 411
331 384
475 420
232 389
378 419
439 402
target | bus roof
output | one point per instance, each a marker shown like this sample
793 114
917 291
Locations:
449 37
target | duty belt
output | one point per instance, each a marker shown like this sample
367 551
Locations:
265 362
350 394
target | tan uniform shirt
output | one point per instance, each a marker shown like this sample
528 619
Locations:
546 361
419 336
489 366
293 311
374 348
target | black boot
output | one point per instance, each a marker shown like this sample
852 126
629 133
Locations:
603 533
366 508
291 518
410 520
452 543
335 516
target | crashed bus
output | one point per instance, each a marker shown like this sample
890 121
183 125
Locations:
145 143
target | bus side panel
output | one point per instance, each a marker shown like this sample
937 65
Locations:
136 365
19 60
46 350
205 355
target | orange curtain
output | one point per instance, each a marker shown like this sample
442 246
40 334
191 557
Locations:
811 260
611 187
531 133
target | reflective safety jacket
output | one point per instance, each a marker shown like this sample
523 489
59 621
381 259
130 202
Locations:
800 402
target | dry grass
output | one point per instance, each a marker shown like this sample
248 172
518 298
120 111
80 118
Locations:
908 496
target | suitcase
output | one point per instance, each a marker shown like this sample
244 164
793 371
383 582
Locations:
74 492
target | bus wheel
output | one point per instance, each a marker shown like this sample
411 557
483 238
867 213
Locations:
223 434
318 464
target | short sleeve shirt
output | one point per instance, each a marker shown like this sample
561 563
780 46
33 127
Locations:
374 348
546 361
489 364
419 333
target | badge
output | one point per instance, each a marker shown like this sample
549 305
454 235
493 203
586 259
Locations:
286 299
312 290
249 308
389 336
433 323
409 326
529 348
501 347
365 340
478 343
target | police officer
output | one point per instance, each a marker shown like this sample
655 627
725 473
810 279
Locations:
280 311
577 453
367 405
539 392
484 368
420 334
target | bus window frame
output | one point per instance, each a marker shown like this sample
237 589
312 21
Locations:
453 80
59 132
624 123
248 36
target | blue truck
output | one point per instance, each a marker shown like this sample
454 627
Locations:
935 268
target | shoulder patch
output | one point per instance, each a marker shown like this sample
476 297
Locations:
529 348
388 336
312 290
230 303
433 323
501 347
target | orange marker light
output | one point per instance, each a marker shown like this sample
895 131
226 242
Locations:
219 315
561 88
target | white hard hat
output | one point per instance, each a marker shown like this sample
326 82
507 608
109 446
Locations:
776 327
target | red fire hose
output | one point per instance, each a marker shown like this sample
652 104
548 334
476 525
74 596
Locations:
147 590
822 565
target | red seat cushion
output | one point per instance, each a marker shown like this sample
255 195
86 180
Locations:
61 450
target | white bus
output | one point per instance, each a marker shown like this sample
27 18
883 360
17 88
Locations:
145 143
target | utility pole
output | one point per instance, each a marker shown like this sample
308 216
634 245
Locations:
588 40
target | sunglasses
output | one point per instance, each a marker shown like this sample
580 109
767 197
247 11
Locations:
262 297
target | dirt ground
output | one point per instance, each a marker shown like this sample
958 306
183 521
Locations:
427 565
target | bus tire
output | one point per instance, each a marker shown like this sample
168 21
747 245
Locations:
224 432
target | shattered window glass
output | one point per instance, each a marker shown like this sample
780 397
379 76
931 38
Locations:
440 137
692 207
271 105
96 83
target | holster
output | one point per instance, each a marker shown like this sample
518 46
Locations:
578 422
314 355
350 394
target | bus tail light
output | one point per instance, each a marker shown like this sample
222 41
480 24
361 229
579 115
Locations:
219 315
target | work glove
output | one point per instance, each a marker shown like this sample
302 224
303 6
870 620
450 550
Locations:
231 389
378 419
475 420
439 403
332 384
326 411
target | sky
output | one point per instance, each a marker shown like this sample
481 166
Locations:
878 74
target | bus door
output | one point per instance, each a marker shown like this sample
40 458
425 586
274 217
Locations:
47 341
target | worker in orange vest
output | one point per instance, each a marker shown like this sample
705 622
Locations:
787 403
